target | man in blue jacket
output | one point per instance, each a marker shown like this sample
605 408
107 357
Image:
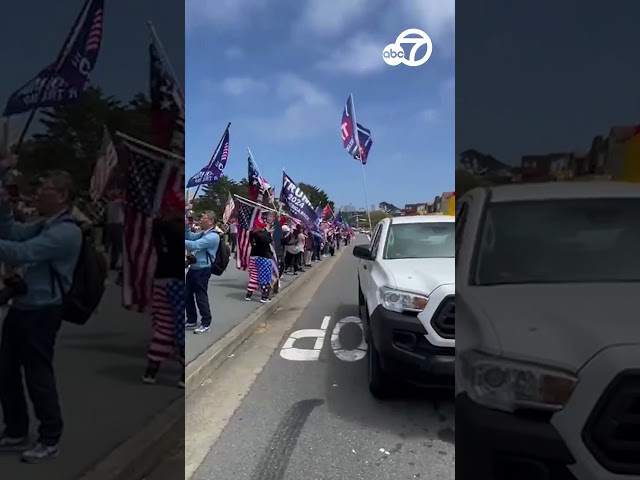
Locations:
30 328
204 246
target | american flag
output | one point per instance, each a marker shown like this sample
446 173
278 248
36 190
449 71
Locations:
147 180
95 32
258 186
228 209
106 162
247 215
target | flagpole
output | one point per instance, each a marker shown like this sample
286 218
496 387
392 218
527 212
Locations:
366 198
163 52
254 204
271 197
357 139
45 85
127 138
215 154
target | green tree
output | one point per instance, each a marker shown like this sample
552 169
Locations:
215 195
377 216
72 135
316 195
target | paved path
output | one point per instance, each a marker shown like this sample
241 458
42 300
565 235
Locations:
228 307
316 420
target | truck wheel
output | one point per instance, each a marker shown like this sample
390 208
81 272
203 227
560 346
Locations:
378 381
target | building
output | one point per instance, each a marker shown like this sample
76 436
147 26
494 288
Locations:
546 168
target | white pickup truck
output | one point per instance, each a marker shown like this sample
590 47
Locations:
406 294
548 332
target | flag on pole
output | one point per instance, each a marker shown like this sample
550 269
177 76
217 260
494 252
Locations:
258 186
148 175
212 171
349 128
356 139
247 218
364 138
63 81
327 212
105 164
228 209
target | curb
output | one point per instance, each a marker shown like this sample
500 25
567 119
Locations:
136 456
210 360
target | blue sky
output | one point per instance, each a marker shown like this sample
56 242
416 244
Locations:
122 69
558 89
280 71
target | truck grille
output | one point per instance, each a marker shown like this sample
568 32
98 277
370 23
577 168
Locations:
612 432
444 320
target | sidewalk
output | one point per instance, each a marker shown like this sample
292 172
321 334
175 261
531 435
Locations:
99 366
228 307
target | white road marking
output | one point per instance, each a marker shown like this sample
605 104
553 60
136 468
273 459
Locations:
343 354
290 352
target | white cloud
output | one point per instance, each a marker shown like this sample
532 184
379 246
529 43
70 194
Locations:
437 18
365 56
385 23
325 18
309 112
238 86
234 53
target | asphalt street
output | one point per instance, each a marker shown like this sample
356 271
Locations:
228 308
315 419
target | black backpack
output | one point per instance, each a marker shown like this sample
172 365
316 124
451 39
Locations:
220 263
88 285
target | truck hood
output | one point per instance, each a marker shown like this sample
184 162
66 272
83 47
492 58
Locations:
421 274
563 324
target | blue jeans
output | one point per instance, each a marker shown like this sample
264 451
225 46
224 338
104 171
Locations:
196 292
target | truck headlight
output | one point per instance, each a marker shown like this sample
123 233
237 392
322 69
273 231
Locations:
401 301
508 384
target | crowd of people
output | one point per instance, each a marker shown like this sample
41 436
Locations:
47 230
278 245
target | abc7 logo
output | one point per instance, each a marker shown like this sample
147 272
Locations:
394 54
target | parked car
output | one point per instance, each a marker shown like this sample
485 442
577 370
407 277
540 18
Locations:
548 337
406 294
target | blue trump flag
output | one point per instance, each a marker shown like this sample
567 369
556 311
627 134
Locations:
63 81
297 202
212 172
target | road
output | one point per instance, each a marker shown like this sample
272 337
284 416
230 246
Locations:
282 419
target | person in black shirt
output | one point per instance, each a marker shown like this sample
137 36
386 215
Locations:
261 264
168 304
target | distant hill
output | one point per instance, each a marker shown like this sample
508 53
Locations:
478 163
389 207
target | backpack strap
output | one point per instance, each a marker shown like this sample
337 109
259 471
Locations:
56 277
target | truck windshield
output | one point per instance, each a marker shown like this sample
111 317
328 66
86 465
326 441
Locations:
420 240
559 241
